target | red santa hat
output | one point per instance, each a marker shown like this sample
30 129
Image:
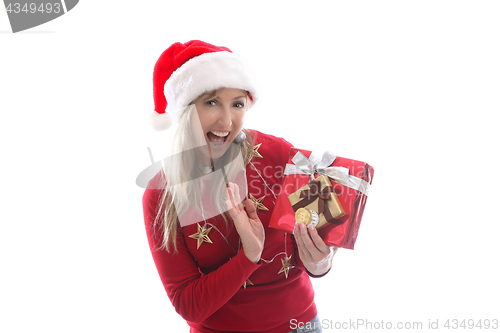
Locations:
186 71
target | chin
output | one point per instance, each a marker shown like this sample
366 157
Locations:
218 151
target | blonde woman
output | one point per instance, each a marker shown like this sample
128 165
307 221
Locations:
207 212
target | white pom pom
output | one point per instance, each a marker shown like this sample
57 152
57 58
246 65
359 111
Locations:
161 121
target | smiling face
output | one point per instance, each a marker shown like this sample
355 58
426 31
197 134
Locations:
220 115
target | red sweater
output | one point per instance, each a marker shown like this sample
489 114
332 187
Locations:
206 284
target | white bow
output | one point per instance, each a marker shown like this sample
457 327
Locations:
319 163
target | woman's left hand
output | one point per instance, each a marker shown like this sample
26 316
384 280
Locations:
314 253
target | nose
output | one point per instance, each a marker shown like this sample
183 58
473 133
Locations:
225 120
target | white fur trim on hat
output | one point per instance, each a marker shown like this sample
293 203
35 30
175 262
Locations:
206 72
160 121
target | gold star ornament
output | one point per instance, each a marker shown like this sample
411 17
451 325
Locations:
286 266
247 283
258 203
254 152
202 235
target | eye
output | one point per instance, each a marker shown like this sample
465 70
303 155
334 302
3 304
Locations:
211 102
239 105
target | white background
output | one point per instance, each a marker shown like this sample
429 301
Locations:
411 87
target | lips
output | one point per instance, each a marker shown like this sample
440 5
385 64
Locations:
217 137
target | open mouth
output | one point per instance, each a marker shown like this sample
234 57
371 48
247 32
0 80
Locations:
217 138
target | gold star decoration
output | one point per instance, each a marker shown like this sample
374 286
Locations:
258 203
202 235
247 282
254 152
286 266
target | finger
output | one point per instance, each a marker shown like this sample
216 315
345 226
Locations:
230 196
231 206
308 243
251 210
236 191
236 196
236 212
240 222
320 244
304 254
230 209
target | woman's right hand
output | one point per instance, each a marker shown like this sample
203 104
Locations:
247 223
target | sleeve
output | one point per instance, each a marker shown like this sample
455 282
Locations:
318 276
193 295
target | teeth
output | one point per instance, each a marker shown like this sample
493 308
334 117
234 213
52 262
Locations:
221 134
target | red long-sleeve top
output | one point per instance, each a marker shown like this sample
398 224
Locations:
216 289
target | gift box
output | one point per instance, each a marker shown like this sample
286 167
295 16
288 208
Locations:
347 184
319 196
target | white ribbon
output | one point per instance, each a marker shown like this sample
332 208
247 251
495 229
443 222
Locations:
320 164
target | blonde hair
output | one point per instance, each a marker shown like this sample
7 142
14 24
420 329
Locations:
183 185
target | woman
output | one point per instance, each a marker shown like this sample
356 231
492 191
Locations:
222 267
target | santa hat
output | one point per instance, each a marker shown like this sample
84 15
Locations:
186 71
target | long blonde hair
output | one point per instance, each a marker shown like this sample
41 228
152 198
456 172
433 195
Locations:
183 186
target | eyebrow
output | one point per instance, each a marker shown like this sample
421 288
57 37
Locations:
209 95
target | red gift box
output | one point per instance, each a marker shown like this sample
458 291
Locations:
351 180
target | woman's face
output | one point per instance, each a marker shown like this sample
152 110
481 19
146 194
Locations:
221 119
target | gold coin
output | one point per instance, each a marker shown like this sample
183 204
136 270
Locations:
302 215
